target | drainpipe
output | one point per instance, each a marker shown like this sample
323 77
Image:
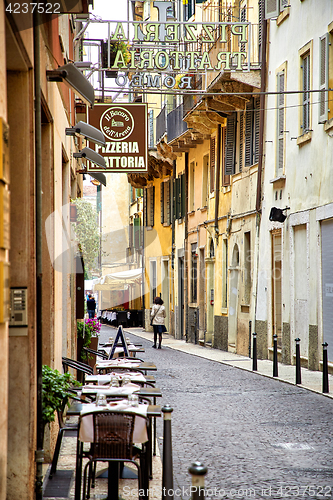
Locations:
186 246
143 262
217 183
173 223
39 453
260 166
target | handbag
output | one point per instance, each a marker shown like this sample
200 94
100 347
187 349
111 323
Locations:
152 319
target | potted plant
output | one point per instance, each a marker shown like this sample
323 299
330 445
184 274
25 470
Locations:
55 392
115 46
87 334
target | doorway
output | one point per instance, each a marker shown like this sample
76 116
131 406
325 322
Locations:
233 299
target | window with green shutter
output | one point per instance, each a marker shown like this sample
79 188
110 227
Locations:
212 164
149 195
230 145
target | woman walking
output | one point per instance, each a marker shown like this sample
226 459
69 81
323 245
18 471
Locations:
158 320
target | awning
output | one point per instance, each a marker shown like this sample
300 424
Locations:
119 280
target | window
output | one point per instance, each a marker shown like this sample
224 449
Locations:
179 197
230 145
137 233
149 205
252 132
241 140
151 128
247 267
306 94
225 273
191 206
323 77
280 123
153 280
274 7
212 164
204 201
165 203
194 272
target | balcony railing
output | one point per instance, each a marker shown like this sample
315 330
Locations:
175 124
161 124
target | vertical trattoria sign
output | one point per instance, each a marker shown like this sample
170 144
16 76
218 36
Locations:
125 130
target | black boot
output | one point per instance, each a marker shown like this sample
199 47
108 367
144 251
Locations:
154 346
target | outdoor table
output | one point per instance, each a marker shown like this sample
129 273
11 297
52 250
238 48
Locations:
136 378
124 364
82 408
132 350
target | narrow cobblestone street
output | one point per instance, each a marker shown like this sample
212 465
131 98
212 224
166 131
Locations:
259 438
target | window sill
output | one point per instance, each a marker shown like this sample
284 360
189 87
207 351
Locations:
224 310
226 189
283 16
328 125
166 224
280 180
191 213
149 228
204 209
303 139
192 304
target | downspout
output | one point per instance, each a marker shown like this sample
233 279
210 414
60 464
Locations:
186 246
260 167
39 454
217 183
173 223
143 262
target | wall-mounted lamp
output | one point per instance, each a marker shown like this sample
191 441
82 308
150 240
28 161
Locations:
95 182
91 155
88 131
276 214
73 78
98 176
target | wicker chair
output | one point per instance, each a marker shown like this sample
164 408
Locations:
113 442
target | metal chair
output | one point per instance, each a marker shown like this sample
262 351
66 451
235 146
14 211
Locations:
113 443
101 354
78 366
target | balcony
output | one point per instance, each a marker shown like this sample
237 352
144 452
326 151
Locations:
161 124
175 124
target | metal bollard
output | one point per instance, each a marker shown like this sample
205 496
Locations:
198 472
298 362
167 471
254 354
250 324
275 356
325 368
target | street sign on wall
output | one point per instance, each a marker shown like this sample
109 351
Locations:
125 130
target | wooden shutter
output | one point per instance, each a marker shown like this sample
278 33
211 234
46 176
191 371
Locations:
255 158
248 133
130 235
230 144
151 128
212 164
179 198
167 201
162 202
176 197
145 207
241 139
280 121
150 205
260 20
182 195
323 78
137 232
271 8
306 94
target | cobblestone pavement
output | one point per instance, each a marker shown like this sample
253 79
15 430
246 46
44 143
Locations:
259 437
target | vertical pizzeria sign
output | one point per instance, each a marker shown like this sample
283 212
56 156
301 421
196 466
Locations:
125 130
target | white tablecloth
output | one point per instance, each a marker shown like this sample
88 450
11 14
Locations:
117 363
140 429
106 379
125 390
